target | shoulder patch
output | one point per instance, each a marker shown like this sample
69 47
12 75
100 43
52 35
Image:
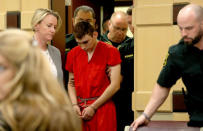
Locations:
67 49
128 56
165 60
118 47
108 42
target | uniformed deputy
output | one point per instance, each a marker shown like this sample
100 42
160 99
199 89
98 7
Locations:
117 37
70 42
81 13
124 97
118 26
127 71
185 60
105 39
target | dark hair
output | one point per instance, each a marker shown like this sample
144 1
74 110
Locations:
85 9
83 28
129 11
104 20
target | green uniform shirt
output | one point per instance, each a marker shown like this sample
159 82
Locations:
186 62
105 39
127 65
70 42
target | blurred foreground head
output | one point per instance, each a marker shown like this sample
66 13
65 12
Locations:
31 98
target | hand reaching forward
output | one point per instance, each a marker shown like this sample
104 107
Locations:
141 120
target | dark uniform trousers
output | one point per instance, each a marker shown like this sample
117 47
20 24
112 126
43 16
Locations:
123 98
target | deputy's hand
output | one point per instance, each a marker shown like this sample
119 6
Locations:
76 108
88 113
141 120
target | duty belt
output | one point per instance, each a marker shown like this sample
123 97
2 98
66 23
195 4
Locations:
85 100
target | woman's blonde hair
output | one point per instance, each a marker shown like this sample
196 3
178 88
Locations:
41 13
35 101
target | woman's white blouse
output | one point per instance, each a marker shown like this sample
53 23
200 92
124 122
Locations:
52 65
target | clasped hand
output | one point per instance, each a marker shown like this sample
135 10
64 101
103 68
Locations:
87 113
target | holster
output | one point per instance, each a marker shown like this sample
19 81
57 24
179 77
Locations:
194 108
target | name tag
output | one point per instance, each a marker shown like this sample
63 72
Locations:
128 56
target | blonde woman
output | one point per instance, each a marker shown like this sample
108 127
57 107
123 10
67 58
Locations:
31 99
45 23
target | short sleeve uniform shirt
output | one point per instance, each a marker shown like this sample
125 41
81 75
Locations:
184 62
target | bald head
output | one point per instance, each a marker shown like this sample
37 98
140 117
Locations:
119 15
192 10
118 26
190 22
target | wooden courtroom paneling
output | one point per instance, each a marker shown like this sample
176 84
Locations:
154 14
10 5
13 19
2 6
153 2
181 1
176 9
2 20
199 2
31 5
68 19
152 49
142 98
59 38
178 102
26 17
180 116
28 8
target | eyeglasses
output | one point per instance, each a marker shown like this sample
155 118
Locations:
118 28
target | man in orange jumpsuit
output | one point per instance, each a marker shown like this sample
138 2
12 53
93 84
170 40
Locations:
89 87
